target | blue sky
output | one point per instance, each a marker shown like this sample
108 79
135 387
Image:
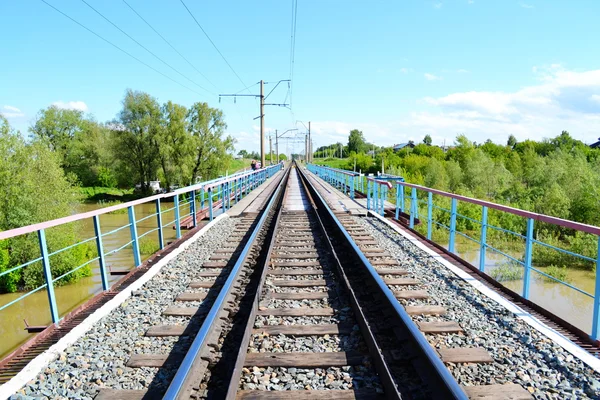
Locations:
397 70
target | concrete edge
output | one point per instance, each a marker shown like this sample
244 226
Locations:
529 319
36 365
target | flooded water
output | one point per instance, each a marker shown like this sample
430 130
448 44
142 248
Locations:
569 304
35 309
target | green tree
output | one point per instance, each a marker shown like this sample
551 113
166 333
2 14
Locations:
243 153
133 137
512 141
427 140
208 146
356 141
172 143
282 157
35 189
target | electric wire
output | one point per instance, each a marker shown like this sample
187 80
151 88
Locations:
144 47
170 45
213 43
120 49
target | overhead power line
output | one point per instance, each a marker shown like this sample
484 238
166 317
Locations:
145 48
213 43
167 42
120 49
293 47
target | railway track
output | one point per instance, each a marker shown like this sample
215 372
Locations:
290 318
301 303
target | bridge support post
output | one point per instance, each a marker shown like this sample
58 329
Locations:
402 206
100 249
398 186
134 237
368 195
177 219
429 214
352 187
48 276
483 238
596 321
375 197
528 258
210 204
413 207
161 239
452 226
193 208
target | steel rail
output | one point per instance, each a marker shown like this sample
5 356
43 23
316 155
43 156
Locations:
448 384
183 372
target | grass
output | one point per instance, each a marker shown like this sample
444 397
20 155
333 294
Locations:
559 273
148 246
109 203
507 272
332 162
97 194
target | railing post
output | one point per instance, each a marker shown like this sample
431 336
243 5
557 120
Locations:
352 186
134 236
100 249
483 238
48 276
210 212
375 196
429 215
398 200
177 219
596 321
202 199
413 198
161 239
452 226
368 195
528 258
194 208
402 200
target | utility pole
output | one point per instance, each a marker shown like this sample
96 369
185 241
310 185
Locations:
262 125
309 144
305 147
276 145
271 149
262 112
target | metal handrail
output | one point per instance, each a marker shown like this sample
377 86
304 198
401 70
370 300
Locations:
257 178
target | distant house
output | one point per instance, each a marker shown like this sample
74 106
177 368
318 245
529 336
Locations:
370 153
398 147
595 145
153 185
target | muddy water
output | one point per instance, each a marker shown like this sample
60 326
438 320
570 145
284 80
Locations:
34 308
574 307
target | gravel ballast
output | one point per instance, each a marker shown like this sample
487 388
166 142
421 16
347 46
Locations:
521 354
97 359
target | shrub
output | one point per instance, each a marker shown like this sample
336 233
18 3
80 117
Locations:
507 272
148 246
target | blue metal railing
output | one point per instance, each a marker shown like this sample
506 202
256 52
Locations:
223 190
424 196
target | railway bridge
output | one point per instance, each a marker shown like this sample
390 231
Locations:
306 282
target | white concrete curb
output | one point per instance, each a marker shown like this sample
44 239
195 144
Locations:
532 321
36 365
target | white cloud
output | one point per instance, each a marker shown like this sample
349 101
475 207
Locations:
524 5
431 77
71 105
11 112
437 5
11 108
470 1
463 71
562 100
406 70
